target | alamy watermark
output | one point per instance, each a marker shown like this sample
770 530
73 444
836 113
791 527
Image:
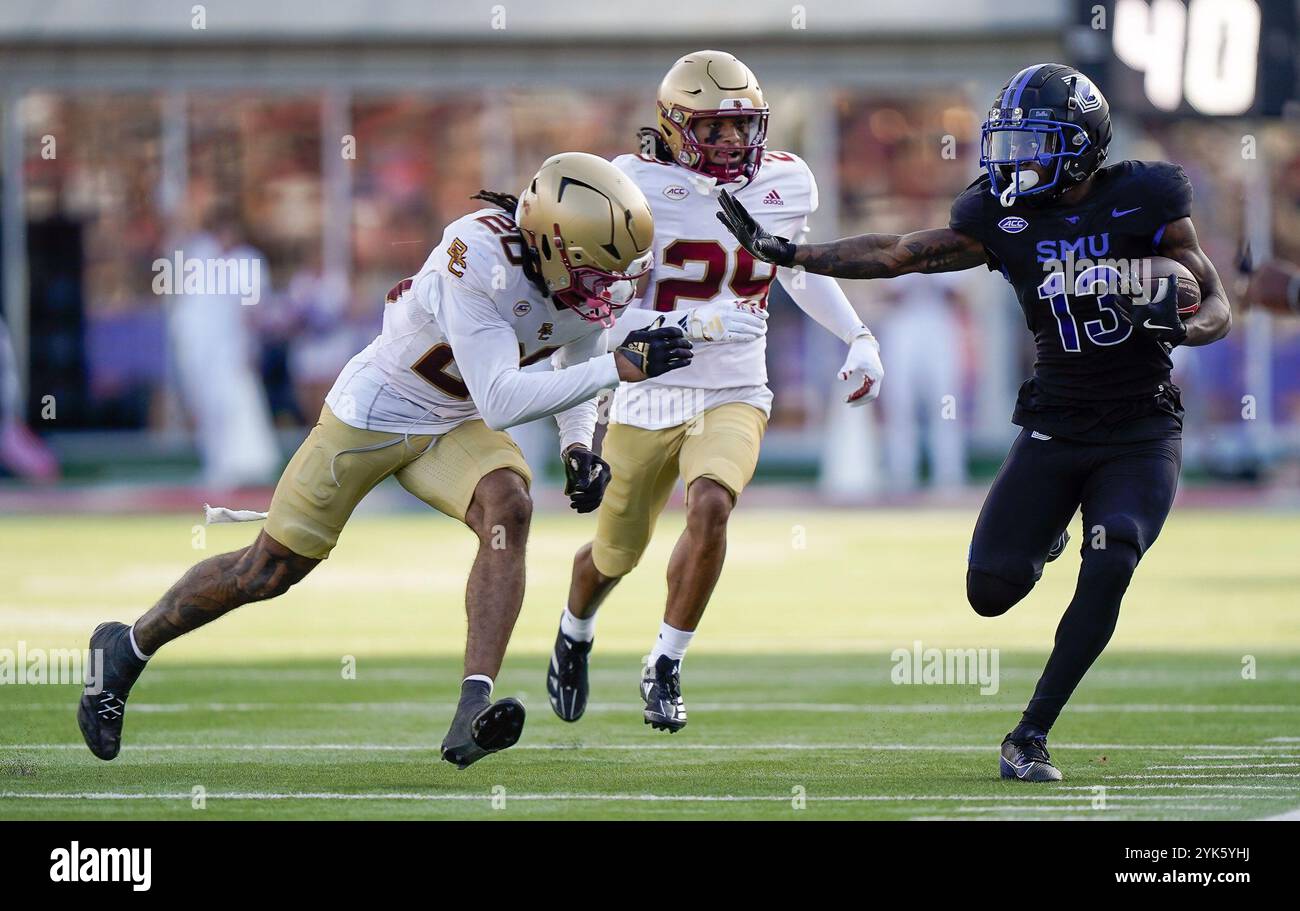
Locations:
55 666
953 666
182 275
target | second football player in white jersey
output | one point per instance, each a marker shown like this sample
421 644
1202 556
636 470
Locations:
703 424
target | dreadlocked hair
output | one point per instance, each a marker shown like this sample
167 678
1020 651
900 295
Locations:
507 201
650 143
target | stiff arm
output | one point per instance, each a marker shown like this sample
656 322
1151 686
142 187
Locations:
860 256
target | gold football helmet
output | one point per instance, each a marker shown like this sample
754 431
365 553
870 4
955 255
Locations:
591 232
707 85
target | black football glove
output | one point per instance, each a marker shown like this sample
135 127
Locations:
586 475
765 246
1158 316
656 349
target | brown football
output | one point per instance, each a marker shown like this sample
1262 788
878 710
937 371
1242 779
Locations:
1156 268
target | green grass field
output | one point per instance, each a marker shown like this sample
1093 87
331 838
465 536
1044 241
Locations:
793 712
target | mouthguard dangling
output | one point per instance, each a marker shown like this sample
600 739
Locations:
1020 182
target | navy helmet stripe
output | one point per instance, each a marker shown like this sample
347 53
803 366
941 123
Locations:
1011 87
1014 84
1020 90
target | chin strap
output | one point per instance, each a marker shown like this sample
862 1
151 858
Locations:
1020 182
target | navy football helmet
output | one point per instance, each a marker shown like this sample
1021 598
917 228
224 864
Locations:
1049 115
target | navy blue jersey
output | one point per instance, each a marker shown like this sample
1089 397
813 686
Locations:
1095 377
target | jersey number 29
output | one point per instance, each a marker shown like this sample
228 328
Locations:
745 283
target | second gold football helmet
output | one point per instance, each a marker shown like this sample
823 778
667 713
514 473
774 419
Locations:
706 85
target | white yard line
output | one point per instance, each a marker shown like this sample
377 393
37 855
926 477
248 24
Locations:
1222 775
1220 786
485 796
1289 816
1244 755
1231 765
1181 807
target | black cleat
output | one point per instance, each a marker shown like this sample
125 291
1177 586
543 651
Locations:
661 688
481 727
111 673
1027 760
566 677
1059 547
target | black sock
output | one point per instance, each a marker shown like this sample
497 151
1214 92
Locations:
475 690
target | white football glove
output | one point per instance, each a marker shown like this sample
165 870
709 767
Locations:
862 369
728 321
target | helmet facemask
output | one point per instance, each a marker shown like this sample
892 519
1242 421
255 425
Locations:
697 144
1030 157
594 293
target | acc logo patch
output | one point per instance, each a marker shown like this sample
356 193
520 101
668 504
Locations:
675 192
522 308
1013 224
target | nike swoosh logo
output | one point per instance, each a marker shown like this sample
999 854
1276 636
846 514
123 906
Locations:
1116 213
1150 325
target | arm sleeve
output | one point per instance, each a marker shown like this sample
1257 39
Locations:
578 424
487 353
822 298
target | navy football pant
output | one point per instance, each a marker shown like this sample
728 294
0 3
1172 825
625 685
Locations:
1125 489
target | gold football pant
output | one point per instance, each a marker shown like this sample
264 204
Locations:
721 444
337 465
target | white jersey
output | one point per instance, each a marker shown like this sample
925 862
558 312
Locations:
698 261
456 335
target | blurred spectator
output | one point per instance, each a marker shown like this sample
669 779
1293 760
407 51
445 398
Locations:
21 451
322 340
212 350
921 347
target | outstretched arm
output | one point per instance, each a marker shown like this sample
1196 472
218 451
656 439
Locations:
1214 318
889 255
861 256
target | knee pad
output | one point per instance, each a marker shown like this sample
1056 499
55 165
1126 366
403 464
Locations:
992 596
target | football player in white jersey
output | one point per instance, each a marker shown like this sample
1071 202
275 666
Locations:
428 402
704 423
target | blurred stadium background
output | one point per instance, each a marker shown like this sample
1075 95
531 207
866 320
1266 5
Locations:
333 141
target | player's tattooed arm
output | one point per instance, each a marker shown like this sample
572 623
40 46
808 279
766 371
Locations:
862 256
888 255
1214 318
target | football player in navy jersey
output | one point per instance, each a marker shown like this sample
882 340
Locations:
1101 421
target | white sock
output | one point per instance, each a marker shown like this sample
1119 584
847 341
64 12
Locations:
135 648
577 628
672 642
483 677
